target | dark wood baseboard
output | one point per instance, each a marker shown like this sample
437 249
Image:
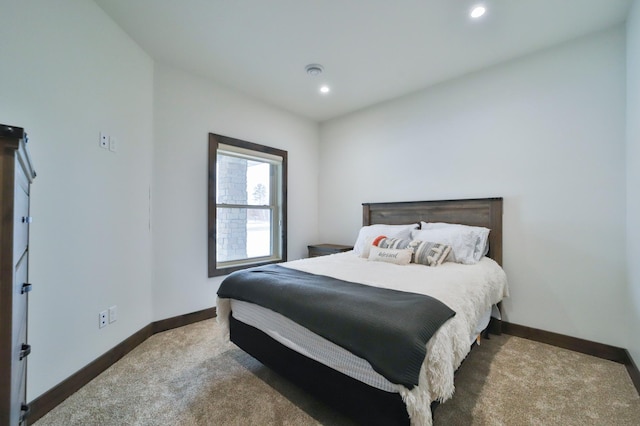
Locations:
600 350
54 396
634 373
182 320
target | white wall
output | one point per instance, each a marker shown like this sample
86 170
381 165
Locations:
68 73
545 132
187 109
633 176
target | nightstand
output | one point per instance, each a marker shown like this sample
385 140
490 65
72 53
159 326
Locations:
316 250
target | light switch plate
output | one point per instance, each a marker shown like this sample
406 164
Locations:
113 314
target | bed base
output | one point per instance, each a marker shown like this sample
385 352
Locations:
363 403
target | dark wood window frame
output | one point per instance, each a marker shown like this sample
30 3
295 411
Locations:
214 141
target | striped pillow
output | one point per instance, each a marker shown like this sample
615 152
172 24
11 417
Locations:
430 254
395 243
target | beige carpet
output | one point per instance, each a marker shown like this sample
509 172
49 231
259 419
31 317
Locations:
191 376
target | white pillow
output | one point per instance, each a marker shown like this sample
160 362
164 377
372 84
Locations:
366 247
373 231
396 256
481 234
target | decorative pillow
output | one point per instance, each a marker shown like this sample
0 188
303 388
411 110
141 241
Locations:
392 231
371 241
462 244
394 243
480 234
430 254
397 256
424 252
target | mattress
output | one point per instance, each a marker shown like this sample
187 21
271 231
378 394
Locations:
305 342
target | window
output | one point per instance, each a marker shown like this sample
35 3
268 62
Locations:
247 205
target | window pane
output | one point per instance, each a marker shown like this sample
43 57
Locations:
258 183
242 233
242 181
258 233
231 234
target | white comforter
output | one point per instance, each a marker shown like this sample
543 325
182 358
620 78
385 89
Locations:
470 290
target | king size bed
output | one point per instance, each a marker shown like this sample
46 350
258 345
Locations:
376 337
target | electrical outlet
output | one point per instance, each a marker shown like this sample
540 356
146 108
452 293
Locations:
102 317
113 144
113 314
104 140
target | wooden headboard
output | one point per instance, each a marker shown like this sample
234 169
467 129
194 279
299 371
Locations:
486 212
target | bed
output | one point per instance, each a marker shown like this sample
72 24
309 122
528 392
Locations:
338 374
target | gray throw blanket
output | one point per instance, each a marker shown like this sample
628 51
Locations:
388 328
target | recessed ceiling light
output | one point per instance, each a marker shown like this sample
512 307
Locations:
478 11
324 89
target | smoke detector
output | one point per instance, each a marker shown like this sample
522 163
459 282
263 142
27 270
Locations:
314 69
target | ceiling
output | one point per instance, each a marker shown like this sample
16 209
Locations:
371 50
